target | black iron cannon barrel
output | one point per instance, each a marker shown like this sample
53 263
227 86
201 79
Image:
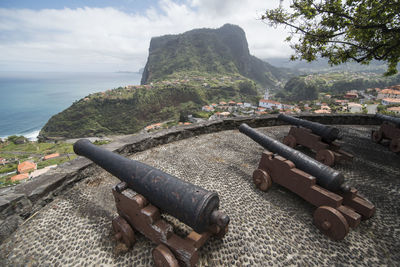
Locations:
394 120
327 133
191 204
325 176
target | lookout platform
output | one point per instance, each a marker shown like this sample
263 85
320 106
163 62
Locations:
267 228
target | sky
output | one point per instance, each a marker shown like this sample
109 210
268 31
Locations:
114 35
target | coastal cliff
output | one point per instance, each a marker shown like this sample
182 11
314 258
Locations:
216 51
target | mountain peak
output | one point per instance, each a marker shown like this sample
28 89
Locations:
220 51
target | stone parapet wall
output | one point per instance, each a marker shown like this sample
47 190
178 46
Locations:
22 201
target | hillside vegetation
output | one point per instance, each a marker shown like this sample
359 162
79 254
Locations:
128 110
308 87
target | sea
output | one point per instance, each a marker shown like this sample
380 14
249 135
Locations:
29 99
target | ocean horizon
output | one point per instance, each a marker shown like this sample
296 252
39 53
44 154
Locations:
29 99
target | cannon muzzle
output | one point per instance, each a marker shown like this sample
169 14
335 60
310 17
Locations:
327 133
325 176
191 204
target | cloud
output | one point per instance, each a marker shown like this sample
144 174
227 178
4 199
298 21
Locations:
108 39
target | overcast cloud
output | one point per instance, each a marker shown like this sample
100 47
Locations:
108 39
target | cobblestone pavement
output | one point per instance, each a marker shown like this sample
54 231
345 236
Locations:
267 228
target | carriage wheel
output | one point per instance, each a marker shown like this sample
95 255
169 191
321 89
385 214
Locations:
290 141
395 145
376 136
262 180
326 157
163 257
123 231
331 222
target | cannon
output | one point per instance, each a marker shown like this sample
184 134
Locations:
317 137
389 129
338 206
144 192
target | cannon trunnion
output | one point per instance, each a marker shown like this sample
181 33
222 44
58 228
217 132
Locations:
317 137
338 207
390 129
145 192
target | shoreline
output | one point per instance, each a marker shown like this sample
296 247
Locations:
31 136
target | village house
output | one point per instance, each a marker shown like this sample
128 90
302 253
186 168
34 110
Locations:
287 107
354 107
351 95
222 103
207 109
390 101
322 111
341 102
51 156
388 93
153 126
221 115
247 105
19 177
396 110
26 167
258 112
270 104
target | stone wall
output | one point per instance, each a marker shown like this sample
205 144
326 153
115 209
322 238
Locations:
20 202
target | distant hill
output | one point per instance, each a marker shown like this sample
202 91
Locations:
322 66
214 51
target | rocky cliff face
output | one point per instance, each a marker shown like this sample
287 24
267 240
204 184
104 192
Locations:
224 51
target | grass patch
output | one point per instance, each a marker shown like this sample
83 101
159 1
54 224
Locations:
8 168
5 181
101 142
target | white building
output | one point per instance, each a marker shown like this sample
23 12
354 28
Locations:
354 107
396 110
270 104
247 105
390 101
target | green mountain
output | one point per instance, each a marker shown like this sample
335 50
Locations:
215 51
183 73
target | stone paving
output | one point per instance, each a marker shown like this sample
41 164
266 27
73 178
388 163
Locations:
267 228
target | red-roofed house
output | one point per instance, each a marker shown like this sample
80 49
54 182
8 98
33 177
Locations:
388 93
51 156
26 167
207 108
231 103
390 101
351 95
266 103
394 109
19 177
222 103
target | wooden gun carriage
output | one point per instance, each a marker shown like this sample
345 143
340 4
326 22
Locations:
338 207
144 193
317 137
